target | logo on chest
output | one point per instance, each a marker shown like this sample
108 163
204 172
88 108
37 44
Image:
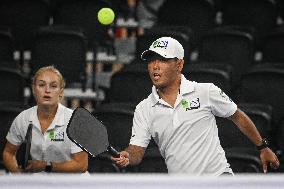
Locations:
190 105
56 136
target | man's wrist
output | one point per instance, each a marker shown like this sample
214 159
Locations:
264 144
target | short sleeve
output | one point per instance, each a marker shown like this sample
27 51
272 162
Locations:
140 129
75 148
14 134
221 105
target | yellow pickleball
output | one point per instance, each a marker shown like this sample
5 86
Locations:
106 16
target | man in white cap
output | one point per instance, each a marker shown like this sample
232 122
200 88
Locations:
180 116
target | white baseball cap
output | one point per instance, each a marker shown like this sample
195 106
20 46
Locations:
167 47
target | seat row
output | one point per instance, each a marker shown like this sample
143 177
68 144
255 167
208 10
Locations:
23 18
66 48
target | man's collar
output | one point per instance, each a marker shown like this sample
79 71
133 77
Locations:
186 87
154 97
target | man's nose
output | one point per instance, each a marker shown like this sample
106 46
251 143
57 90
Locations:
156 64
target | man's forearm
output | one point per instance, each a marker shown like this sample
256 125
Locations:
247 127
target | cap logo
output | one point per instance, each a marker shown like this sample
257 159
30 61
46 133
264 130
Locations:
160 44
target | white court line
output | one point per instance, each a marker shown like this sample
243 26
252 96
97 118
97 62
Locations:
141 181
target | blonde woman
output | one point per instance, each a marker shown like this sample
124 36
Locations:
51 149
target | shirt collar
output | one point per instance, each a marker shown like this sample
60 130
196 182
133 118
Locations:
58 119
186 87
59 116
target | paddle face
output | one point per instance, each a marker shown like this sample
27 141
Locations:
88 133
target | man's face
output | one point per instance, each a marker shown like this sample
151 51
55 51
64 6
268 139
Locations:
164 72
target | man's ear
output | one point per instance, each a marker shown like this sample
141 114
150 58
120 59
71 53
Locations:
180 64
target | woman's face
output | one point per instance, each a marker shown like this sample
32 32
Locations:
47 90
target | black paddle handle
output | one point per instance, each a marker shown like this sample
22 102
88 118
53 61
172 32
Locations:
113 152
27 143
